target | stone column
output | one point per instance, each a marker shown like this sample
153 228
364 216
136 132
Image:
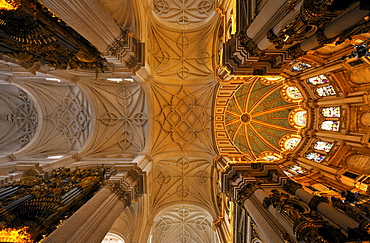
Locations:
89 18
257 213
94 219
268 232
322 206
93 21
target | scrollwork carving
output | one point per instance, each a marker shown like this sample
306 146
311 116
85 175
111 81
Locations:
316 200
306 231
246 191
249 45
120 191
291 186
296 51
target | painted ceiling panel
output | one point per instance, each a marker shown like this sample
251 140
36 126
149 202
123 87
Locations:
256 117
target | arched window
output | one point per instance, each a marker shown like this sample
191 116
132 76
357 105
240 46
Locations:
291 143
331 111
294 93
270 158
296 169
112 238
315 157
326 91
300 118
330 125
323 146
321 79
298 66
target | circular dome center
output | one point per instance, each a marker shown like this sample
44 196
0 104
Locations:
245 118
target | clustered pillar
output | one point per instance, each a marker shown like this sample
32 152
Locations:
94 219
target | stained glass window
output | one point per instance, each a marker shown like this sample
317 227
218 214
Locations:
323 146
330 125
270 158
326 91
296 169
287 173
321 79
300 66
293 92
291 143
300 118
331 111
315 157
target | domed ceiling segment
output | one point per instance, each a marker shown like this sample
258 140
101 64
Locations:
185 223
18 119
257 118
181 41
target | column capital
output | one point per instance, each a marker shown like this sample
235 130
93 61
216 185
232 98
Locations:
316 200
127 185
127 49
291 186
247 190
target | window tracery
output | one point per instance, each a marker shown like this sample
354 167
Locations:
291 143
294 93
269 156
326 91
316 157
323 146
300 118
299 66
320 79
331 111
330 125
296 169
113 238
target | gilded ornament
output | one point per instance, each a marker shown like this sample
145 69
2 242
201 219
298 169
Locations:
291 186
246 191
316 200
